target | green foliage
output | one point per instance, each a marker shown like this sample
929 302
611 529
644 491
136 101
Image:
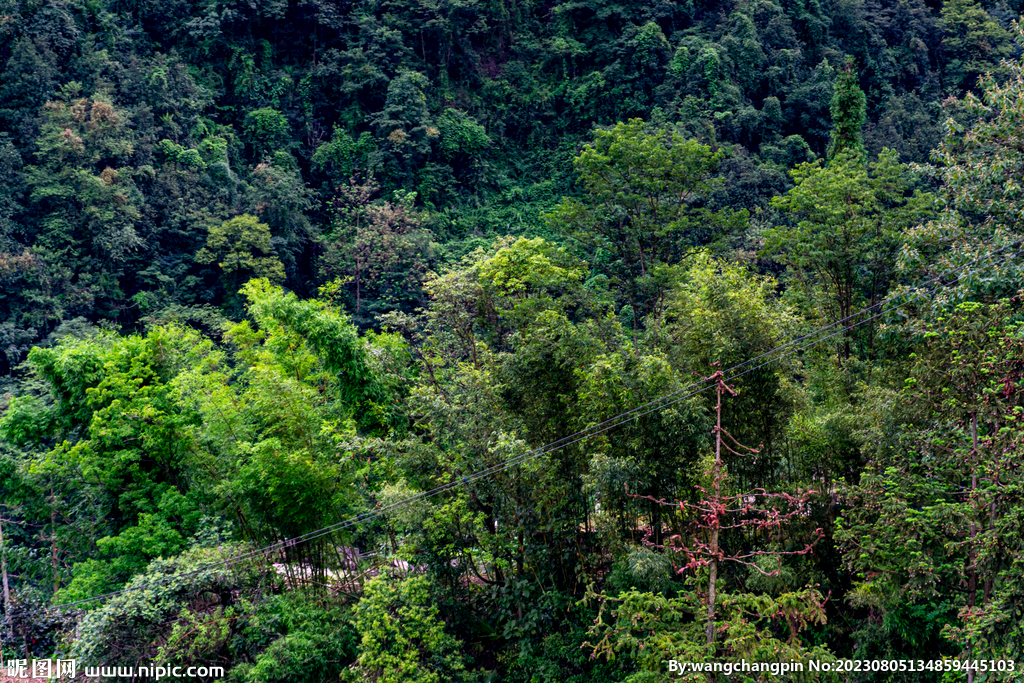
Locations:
329 334
651 629
159 534
720 312
978 168
343 156
275 420
460 134
267 129
379 247
196 589
241 248
642 569
645 205
114 390
401 636
849 220
505 254
848 113
405 129
940 479
974 43
310 639
467 106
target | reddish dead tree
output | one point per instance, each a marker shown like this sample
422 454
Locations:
756 511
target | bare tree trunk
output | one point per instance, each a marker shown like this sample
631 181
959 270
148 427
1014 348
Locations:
972 581
358 293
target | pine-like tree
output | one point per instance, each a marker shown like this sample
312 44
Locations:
848 112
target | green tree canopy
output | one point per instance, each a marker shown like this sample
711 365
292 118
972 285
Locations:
645 203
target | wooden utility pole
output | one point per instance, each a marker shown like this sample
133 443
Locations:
720 510
713 563
716 502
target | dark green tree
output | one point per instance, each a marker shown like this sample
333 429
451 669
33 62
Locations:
973 44
848 113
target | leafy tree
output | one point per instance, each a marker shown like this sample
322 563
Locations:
741 626
85 204
848 112
380 248
849 219
808 105
906 124
405 128
501 361
652 629
310 638
721 312
973 43
267 130
196 590
463 143
121 467
30 77
241 248
273 443
946 480
333 339
978 165
343 156
401 635
281 199
644 205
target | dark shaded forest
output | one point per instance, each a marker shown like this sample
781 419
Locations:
501 340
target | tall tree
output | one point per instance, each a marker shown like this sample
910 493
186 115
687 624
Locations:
979 165
848 223
933 523
645 204
848 112
241 248
378 246
727 623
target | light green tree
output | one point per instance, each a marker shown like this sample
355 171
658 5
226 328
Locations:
402 638
241 248
848 111
645 203
120 466
848 221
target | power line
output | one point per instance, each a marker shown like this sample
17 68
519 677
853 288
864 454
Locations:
593 430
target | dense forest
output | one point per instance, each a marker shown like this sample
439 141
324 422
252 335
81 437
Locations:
506 340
